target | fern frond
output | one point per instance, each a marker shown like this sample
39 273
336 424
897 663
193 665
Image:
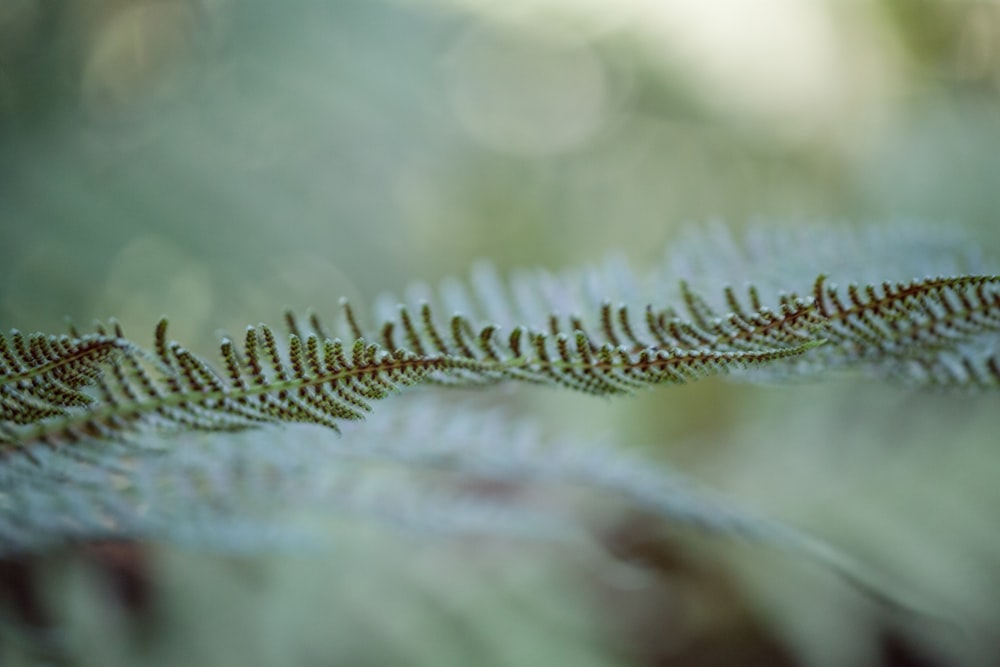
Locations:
573 305
314 381
68 388
42 376
868 328
909 332
601 334
242 492
900 319
326 381
902 328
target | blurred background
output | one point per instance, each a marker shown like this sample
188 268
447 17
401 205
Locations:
219 160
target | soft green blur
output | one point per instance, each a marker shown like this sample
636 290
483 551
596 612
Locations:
219 160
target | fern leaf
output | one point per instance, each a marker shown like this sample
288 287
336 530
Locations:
41 376
909 332
898 319
235 493
544 304
314 381
906 329
531 328
322 381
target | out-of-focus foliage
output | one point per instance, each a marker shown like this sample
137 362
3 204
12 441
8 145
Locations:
154 155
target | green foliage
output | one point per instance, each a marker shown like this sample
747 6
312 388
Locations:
920 328
103 437
316 379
